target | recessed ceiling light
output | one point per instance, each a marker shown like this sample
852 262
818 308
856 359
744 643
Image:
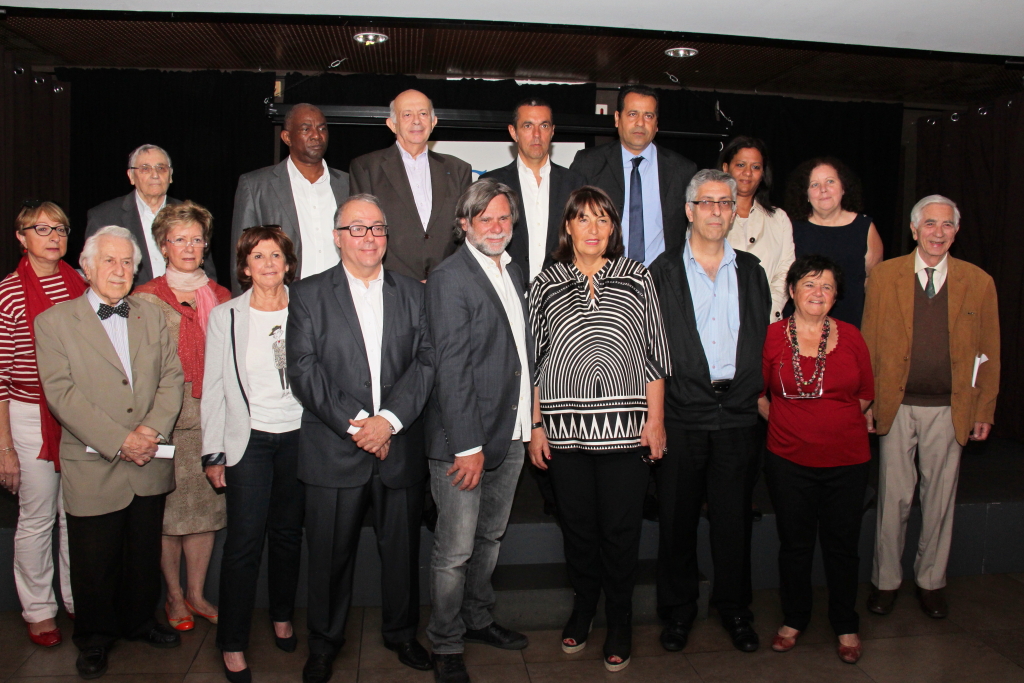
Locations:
681 52
370 38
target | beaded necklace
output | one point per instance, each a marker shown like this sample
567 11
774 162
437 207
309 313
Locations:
819 361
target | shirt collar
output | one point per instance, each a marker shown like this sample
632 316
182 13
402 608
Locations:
296 175
144 207
408 157
729 257
356 282
920 265
486 261
545 170
95 301
650 153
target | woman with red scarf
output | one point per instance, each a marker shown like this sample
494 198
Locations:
194 511
29 434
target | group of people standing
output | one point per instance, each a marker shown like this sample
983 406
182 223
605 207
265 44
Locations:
627 315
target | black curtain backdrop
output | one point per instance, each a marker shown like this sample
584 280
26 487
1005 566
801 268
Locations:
212 123
974 160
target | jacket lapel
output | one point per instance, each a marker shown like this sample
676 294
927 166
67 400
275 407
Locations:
342 292
136 328
133 221
91 330
241 321
556 207
618 173
283 190
394 171
665 176
390 304
681 288
957 290
905 283
439 186
484 283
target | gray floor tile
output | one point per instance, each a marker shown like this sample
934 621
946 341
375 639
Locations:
986 602
109 678
906 619
1010 644
926 659
803 664
646 669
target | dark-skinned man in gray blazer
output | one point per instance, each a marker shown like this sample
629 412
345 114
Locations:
360 361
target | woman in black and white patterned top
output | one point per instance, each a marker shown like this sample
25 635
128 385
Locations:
602 358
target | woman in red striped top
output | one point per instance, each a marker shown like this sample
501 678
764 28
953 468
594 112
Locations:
29 435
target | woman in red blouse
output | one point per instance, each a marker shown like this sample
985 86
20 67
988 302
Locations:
818 380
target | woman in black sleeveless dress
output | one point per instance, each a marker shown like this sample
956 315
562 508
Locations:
824 203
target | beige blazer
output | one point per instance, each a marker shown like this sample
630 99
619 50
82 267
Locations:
769 238
88 392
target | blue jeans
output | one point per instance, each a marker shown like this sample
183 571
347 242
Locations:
466 544
264 498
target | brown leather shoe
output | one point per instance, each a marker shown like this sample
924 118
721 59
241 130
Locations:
881 602
933 603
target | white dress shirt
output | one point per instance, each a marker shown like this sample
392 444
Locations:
116 328
369 304
506 291
156 257
535 202
418 171
769 238
938 277
315 206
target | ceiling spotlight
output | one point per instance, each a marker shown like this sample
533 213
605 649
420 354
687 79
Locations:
369 38
681 52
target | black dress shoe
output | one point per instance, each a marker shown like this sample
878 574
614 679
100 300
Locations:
159 636
412 654
744 638
496 635
674 636
450 669
933 603
318 669
92 662
881 602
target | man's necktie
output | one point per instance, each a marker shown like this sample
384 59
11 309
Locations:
121 309
637 246
929 289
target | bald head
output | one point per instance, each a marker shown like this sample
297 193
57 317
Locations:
412 120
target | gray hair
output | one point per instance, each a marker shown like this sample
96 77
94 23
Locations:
363 197
295 110
92 245
142 149
915 213
474 201
393 115
709 175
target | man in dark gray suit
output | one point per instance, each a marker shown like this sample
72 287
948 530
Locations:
646 181
359 360
150 171
300 194
417 188
543 187
477 420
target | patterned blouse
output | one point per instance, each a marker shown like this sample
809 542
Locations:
595 356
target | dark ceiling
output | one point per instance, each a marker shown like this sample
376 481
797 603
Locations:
523 51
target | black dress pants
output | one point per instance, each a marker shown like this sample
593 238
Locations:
718 465
334 519
826 503
600 504
115 571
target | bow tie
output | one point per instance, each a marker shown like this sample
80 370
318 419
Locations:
106 311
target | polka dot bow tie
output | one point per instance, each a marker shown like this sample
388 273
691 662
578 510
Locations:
106 311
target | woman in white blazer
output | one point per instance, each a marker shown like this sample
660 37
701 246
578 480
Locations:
251 444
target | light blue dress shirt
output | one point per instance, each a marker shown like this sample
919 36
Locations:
116 328
654 235
716 308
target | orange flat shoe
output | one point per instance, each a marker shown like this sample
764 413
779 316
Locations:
186 624
46 638
212 618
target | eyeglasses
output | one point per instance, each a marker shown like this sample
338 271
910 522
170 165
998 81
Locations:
146 169
43 230
378 230
181 242
725 205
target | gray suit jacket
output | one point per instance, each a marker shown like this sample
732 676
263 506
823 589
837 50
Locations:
124 211
264 197
88 392
413 251
476 390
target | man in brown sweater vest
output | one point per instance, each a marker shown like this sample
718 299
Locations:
931 323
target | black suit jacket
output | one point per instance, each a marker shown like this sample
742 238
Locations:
476 363
124 211
689 399
602 166
562 183
412 251
330 375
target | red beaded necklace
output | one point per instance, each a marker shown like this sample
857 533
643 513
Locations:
819 361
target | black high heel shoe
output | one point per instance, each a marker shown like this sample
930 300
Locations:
243 676
287 644
576 629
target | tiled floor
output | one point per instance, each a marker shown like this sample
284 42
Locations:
981 641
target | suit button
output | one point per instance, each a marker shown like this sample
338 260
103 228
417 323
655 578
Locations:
426 236
514 406
901 388
366 384
752 240
129 410
518 373
906 357
124 382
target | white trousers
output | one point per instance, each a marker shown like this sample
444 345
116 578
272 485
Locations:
928 432
40 506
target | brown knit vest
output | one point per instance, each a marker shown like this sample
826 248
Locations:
931 375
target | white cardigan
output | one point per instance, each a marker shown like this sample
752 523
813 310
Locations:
769 238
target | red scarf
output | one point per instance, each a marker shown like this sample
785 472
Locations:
36 302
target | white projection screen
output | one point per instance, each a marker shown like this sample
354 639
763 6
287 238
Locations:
487 156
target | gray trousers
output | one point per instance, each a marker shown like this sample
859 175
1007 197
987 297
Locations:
469 524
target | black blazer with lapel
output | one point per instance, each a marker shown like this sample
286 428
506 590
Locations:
562 182
476 363
264 197
602 166
124 211
689 399
330 375
413 251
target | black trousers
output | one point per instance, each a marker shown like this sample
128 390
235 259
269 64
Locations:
826 503
600 505
334 520
718 465
115 571
265 499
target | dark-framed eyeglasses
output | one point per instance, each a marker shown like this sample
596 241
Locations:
725 204
379 230
146 169
42 229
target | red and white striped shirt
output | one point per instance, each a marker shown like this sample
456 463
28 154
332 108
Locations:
19 377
